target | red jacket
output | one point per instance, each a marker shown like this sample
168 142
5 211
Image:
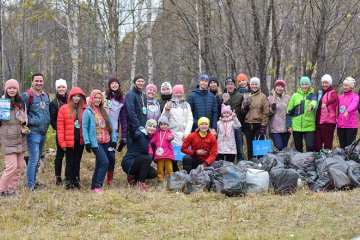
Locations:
196 142
65 121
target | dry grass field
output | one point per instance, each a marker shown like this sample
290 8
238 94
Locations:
122 212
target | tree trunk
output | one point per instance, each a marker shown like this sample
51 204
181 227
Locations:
136 31
150 59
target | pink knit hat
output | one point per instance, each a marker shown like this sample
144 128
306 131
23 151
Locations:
279 82
11 83
225 108
151 86
178 89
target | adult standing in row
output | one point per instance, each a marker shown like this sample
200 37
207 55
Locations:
59 100
203 103
166 94
115 106
214 88
37 103
153 107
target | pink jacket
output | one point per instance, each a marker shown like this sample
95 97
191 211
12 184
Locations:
328 114
348 102
226 135
160 139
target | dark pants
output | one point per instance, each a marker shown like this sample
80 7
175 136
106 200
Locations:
101 165
111 156
58 159
72 169
190 163
226 157
309 141
324 136
251 133
280 140
141 168
239 144
175 166
346 136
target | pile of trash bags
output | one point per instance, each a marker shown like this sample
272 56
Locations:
284 171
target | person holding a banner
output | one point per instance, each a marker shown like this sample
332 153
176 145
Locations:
255 108
13 139
200 147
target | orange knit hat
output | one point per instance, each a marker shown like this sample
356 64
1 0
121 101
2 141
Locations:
241 77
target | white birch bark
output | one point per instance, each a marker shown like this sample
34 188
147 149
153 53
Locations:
150 24
137 23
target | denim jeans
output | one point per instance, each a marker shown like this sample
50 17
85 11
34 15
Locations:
280 140
35 143
101 165
239 144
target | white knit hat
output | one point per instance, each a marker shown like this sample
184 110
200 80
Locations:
255 80
350 81
60 82
327 78
166 85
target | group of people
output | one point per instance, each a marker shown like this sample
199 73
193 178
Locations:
207 126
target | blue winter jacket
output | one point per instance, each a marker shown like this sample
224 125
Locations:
38 118
203 104
135 101
89 128
139 147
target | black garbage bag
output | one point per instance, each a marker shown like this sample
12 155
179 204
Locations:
284 180
199 180
322 184
338 162
304 161
249 164
233 180
177 181
339 178
272 160
220 163
354 174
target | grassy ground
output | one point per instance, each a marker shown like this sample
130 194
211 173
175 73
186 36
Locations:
121 212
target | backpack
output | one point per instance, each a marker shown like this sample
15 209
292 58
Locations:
31 95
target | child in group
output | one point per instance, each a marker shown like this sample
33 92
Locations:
278 101
347 124
55 105
226 134
160 146
326 114
70 137
153 107
99 136
300 119
13 140
166 94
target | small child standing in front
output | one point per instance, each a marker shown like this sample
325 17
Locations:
160 146
226 134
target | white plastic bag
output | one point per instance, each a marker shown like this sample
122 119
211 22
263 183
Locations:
257 180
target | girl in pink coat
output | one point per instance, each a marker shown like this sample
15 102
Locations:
347 124
160 146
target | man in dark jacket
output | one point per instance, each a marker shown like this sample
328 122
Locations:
55 105
235 101
136 107
214 89
203 103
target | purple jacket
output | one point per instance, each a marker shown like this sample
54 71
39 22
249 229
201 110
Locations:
348 102
278 117
118 115
160 140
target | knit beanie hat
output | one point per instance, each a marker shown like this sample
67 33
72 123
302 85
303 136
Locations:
151 122
305 79
137 77
178 89
215 79
113 79
241 77
327 78
163 119
93 94
279 82
203 120
203 77
255 80
11 83
225 108
350 81
60 82
151 87
229 80
166 85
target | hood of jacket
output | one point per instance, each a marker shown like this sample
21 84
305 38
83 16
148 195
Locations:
76 90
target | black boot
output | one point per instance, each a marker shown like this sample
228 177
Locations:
58 181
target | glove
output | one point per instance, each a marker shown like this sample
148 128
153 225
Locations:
262 130
88 147
122 144
273 106
142 129
112 144
247 106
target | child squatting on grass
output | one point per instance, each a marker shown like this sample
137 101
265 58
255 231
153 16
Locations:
160 146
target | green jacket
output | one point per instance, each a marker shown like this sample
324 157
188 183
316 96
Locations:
297 115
